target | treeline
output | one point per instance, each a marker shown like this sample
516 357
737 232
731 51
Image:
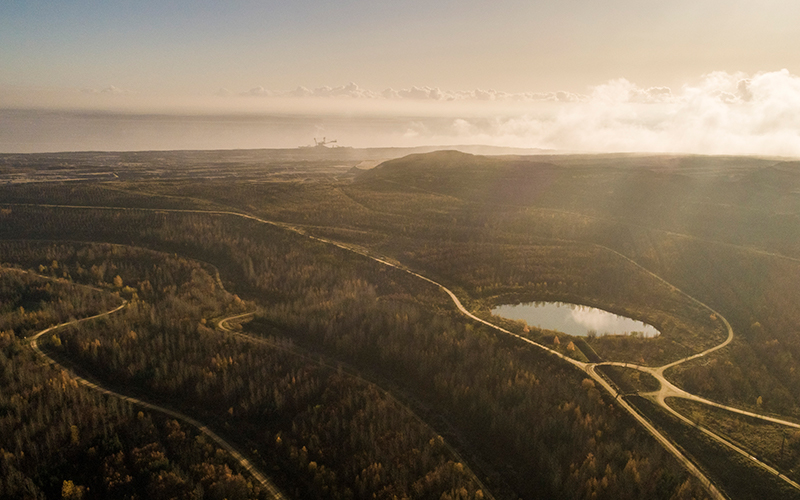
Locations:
772 443
736 476
546 432
745 201
59 439
91 194
539 420
493 274
757 293
133 273
755 290
329 434
31 303
456 237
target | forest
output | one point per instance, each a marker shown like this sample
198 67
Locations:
62 440
344 377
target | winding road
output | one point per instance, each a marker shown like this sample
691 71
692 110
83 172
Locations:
223 325
666 390
246 464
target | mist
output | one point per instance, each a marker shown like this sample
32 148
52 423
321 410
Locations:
720 113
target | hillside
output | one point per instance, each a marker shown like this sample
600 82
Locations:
348 354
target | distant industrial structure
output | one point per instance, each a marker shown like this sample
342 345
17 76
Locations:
324 143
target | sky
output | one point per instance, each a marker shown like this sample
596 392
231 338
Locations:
701 76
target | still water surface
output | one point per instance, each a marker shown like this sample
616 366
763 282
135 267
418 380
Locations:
574 319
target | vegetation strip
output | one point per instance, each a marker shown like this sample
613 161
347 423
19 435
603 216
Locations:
587 368
223 325
735 448
667 389
261 478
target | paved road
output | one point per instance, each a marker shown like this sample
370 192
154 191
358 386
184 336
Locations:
667 389
589 368
261 478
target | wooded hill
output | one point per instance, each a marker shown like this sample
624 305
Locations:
488 390
618 232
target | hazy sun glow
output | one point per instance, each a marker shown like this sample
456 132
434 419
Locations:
578 76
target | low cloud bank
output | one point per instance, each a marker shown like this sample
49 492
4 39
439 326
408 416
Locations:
723 87
724 114
352 90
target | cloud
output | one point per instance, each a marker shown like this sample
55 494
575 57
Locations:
349 90
623 91
437 94
422 93
299 92
719 113
258 91
390 93
110 90
724 113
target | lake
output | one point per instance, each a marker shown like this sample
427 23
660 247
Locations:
573 319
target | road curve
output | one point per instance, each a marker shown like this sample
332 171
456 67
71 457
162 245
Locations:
670 390
588 368
716 437
223 325
667 390
261 478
